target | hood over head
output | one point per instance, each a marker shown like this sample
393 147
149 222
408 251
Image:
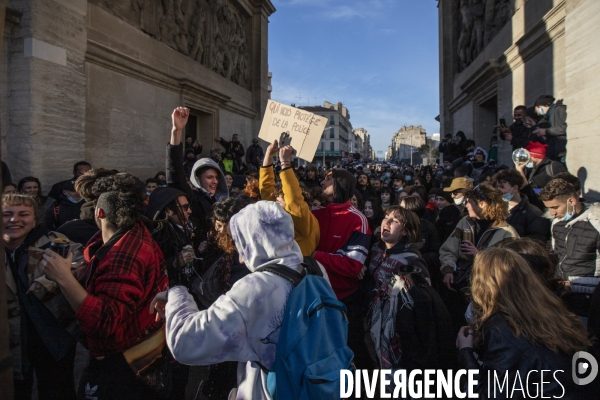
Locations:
344 184
263 234
222 191
160 198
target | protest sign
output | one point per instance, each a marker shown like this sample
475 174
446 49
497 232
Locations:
296 127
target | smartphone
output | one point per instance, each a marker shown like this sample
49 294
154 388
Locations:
503 121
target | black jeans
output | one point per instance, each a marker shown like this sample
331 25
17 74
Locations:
356 307
112 378
54 378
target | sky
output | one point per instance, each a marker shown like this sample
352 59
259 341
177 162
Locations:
378 57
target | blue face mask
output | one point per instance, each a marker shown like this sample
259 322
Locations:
508 196
529 164
399 189
72 200
568 215
408 178
542 111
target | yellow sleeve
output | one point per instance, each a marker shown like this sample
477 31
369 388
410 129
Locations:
266 183
306 226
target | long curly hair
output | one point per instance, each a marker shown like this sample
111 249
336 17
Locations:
503 283
496 209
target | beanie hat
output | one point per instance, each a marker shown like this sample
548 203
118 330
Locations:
160 198
537 150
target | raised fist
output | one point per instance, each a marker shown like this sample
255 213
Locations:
180 118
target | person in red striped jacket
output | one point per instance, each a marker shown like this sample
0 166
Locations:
342 250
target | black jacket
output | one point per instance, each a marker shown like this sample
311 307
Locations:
431 249
577 243
528 221
34 314
235 148
447 220
62 211
543 173
521 135
504 353
254 155
83 229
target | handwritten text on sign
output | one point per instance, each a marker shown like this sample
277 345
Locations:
303 127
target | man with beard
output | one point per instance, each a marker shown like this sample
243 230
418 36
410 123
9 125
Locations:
364 186
519 132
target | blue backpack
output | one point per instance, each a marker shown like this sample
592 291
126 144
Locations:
312 348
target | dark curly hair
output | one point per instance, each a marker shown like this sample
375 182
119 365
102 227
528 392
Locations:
557 188
85 183
121 198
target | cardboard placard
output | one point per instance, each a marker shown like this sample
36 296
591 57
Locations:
292 126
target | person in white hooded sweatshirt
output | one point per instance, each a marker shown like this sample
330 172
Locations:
243 324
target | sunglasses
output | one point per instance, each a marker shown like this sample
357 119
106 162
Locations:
185 207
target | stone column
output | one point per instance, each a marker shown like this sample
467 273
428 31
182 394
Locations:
46 89
260 61
582 97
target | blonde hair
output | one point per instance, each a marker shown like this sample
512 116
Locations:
17 199
503 283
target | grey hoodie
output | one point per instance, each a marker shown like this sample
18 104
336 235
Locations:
222 191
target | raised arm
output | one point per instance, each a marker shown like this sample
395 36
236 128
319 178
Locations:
174 158
266 180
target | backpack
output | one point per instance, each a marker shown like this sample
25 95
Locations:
312 348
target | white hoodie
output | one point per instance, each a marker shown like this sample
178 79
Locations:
242 325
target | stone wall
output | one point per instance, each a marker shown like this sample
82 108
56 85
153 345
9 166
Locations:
45 89
98 80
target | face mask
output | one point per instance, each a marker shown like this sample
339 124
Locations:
508 196
448 168
495 145
542 111
148 194
459 202
162 182
72 200
568 215
408 178
399 189
529 164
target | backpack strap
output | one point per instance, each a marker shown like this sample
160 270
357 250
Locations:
312 266
294 277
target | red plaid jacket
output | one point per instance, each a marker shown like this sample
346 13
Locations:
124 275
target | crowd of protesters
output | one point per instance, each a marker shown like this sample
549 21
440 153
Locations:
466 264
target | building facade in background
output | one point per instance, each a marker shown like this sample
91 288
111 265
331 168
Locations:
97 80
496 55
365 150
338 138
406 143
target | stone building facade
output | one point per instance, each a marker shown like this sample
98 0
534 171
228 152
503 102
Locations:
336 138
407 140
497 54
363 147
97 80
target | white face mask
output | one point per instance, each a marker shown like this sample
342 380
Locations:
529 164
459 202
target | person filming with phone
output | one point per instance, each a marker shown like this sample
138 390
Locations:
520 131
485 225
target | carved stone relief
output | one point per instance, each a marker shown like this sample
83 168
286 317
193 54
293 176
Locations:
212 32
479 22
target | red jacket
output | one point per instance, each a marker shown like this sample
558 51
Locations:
343 246
124 276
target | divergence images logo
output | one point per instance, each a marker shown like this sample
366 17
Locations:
580 368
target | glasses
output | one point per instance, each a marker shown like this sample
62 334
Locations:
185 207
